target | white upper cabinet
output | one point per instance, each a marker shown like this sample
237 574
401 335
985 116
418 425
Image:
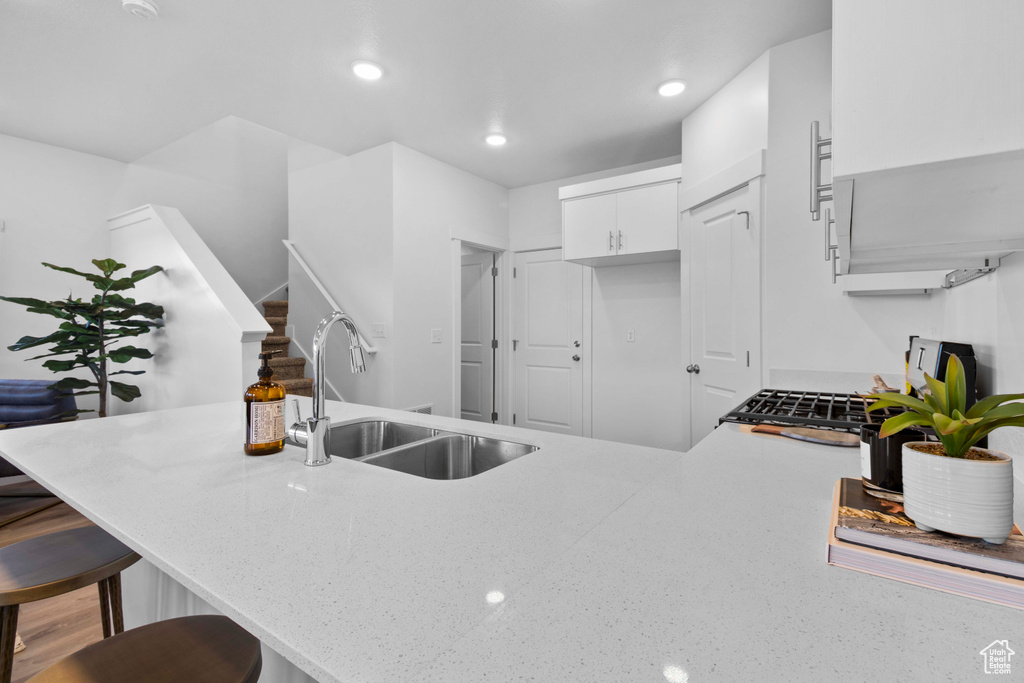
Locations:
632 218
927 133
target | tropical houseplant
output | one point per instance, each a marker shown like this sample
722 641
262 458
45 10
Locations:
91 332
954 486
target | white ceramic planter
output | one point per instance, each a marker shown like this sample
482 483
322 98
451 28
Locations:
965 497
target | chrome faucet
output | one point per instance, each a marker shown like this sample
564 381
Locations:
315 433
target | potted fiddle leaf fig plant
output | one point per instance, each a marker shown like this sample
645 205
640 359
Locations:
955 486
91 332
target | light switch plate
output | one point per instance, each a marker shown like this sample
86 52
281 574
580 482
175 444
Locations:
435 336
378 331
631 335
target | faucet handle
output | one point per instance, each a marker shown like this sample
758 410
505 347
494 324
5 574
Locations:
298 413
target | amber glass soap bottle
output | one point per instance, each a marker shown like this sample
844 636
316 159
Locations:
264 412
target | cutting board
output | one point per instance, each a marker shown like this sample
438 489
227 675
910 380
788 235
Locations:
822 436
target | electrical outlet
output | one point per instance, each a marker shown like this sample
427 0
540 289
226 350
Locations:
631 335
378 331
435 336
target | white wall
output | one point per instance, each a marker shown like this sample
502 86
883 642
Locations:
206 352
637 388
340 218
54 205
535 212
728 127
230 181
434 203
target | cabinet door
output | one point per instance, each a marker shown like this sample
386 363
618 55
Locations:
588 226
647 219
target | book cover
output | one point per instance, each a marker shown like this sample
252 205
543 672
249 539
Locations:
994 587
866 520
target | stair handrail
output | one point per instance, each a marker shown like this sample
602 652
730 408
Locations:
290 246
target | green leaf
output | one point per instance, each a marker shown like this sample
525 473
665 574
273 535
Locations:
126 353
30 342
987 404
901 422
72 383
945 424
990 427
125 392
127 372
98 281
1008 410
60 365
888 400
938 392
107 265
956 385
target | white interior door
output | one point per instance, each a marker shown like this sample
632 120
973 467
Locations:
725 305
477 335
548 352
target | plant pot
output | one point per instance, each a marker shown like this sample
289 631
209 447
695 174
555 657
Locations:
958 496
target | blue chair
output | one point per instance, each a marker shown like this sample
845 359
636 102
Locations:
25 402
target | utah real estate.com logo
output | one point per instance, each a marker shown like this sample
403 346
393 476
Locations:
996 657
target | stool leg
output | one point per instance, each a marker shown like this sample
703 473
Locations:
116 611
8 630
104 607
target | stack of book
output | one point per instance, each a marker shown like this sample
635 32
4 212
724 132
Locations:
876 537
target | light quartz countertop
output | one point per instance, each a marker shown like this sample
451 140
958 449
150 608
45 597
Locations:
584 561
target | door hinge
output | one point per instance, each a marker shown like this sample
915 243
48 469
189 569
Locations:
513 272
494 343
513 418
515 344
494 417
494 271
748 359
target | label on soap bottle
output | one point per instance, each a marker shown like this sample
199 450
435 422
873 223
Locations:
266 423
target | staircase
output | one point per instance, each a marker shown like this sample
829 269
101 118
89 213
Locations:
291 372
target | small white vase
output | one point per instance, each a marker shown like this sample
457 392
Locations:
958 496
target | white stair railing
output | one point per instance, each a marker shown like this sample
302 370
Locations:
290 246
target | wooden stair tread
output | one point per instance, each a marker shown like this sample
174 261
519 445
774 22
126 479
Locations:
58 563
199 649
276 320
276 340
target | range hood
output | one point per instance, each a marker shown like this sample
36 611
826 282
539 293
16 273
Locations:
951 215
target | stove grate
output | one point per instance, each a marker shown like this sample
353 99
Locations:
840 412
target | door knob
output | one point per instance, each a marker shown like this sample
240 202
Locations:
576 344
576 357
693 369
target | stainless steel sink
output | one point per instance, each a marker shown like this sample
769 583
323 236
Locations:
359 439
449 456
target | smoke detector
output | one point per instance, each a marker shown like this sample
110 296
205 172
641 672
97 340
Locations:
144 9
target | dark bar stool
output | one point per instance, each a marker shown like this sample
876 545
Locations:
58 563
202 649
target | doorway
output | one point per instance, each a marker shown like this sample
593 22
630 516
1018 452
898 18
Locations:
549 351
479 334
724 359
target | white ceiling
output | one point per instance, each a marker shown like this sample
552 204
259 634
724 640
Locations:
571 82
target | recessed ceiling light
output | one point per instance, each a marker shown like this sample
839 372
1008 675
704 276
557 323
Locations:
671 88
367 70
143 9
495 139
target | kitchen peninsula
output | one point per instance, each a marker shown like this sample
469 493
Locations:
583 561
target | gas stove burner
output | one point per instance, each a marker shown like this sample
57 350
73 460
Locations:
840 412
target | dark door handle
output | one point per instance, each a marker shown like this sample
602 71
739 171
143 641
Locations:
575 357
693 369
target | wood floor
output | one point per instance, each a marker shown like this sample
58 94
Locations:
56 627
